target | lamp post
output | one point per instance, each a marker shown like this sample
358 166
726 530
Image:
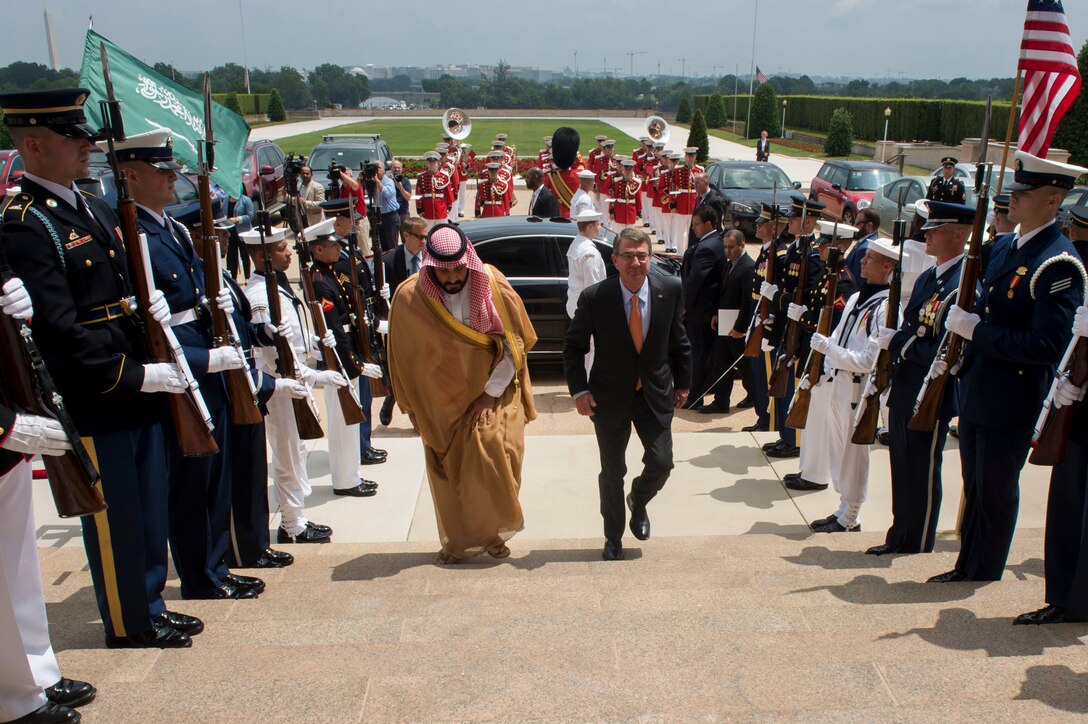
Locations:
784 117
884 147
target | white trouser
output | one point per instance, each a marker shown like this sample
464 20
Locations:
681 223
647 209
431 223
664 228
343 443
849 462
462 192
602 209
288 458
815 454
27 663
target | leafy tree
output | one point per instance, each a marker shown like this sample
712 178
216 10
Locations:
332 84
1072 133
697 137
683 111
764 112
715 111
276 112
231 103
5 137
840 134
228 78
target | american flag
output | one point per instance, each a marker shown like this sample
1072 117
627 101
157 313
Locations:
1051 76
763 79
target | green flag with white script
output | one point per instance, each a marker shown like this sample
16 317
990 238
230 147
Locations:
150 101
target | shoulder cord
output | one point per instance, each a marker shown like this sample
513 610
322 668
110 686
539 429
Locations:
1063 257
56 239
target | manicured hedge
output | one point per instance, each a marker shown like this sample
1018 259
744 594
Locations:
251 105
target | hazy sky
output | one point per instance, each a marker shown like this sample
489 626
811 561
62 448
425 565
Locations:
867 38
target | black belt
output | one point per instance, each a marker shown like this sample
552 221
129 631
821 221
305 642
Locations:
105 313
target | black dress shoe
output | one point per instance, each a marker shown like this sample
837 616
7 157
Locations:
71 693
640 522
362 490
1046 614
318 527
308 535
881 550
369 457
800 483
157 637
785 450
714 407
245 582
228 591
746 403
791 476
273 559
753 428
186 624
834 526
954 431
385 416
50 713
613 551
883 437
379 452
952 576
771 445
823 521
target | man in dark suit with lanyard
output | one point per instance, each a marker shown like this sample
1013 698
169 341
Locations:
645 375
407 258
700 275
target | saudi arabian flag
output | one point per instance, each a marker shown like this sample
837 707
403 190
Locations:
150 101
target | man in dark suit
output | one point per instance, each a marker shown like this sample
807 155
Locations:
707 196
763 147
643 377
734 293
700 275
543 202
407 258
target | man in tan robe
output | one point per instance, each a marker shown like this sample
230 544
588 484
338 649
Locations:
458 338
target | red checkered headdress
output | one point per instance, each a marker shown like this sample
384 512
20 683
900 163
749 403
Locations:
448 248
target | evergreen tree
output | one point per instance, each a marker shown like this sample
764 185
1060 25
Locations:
715 111
697 137
276 113
683 112
5 137
840 134
765 112
1072 133
231 103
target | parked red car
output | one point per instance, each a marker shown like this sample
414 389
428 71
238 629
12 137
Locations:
847 187
11 170
263 155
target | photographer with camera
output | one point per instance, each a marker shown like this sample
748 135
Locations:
404 191
311 193
390 208
355 189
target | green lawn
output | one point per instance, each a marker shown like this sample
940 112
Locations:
414 137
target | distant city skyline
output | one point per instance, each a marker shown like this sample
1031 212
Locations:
842 38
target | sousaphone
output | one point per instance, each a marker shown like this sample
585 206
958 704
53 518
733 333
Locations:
657 128
456 123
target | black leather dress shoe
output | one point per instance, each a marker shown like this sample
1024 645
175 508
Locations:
714 407
385 416
50 713
71 693
228 591
823 521
800 483
379 452
369 457
954 431
753 428
883 437
640 522
771 445
834 526
1046 614
791 476
308 535
362 490
881 550
318 527
186 624
785 450
952 576
613 551
746 403
157 637
273 559
246 582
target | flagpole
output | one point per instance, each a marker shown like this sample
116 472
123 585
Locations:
1008 131
736 86
245 60
752 70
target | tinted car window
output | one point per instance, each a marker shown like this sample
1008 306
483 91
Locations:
185 190
825 172
17 164
914 192
761 177
265 157
870 179
521 257
247 162
349 157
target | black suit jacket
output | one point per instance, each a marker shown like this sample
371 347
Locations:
763 149
738 282
700 273
396 267
546 206
714 199
665 361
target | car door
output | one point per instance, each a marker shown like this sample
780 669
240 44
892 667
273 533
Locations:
834 197
272 188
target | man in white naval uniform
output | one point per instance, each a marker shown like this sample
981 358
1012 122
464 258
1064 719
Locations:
582 200
849 355
585 264
289 476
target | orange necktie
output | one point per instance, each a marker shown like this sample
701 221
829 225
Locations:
635 324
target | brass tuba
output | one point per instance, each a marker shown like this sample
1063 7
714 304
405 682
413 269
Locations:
657 129
456 123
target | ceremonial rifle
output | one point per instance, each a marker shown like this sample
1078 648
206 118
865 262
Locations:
241 390
927 406
792 337
369 342
868 412
755 331
802 397
191 418
1051 437
73 478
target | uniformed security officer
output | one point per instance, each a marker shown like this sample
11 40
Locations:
916 456
947 187
66 247
768 228
1032 286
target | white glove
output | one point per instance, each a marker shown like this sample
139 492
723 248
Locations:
285 330
937 369
163 377
961 322
224 301
768 290
159 309
884 337
383 326
795 311
224 358
1067 393
16 300
287 387
765 346
804 384
329 378
1080 322
384 292
821 343
374 372
328 340
34 435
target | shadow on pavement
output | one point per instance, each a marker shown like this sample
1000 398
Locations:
729 459
1057 686
959 629
755 493
872 589
74 622
372 566
794 531
838 560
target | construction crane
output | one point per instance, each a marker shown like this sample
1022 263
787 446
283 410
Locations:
631 56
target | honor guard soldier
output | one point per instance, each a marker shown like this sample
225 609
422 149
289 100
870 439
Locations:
916 456
582 199
464 168
335 300
591 157
626 206
585 264
491 194
768 228
999 223
453 170
199 487
66 247
663 203
946 187
1032 286
431 186
639 154
563 180
650 176
684 196
506 175
602 185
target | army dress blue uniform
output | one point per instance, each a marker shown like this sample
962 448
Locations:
949 190
762 364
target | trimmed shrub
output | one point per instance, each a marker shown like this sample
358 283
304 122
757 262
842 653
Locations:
840 134
697 137
683 112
